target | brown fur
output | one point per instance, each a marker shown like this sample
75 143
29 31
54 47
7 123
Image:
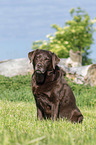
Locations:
54 98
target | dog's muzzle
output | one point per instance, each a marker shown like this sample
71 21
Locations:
39 68
40 76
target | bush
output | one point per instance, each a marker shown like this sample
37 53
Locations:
77 34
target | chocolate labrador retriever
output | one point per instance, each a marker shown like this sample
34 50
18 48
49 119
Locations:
53 96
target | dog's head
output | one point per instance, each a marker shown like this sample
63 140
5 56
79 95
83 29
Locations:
43 61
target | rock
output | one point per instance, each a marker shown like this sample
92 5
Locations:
74 60
90 77
15 67
22 66
81 75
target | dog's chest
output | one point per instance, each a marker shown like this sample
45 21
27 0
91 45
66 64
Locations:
45 88
49 91
39 92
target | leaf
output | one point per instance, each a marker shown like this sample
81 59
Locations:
72 11
77 34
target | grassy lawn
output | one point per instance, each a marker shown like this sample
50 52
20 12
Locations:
19 125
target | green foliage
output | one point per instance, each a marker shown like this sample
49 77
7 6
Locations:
77 34
18 88
19 124
15 88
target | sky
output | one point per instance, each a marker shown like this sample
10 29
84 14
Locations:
25 21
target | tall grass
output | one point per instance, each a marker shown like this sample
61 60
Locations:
19 124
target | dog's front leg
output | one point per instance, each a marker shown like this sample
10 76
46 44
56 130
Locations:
54 111
39 114
76 116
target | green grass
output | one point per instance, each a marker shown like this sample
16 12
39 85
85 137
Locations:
19 125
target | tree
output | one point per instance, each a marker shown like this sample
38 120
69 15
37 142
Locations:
77 34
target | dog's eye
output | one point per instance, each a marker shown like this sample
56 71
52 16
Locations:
38 56
46 59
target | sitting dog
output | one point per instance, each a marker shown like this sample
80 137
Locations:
53 96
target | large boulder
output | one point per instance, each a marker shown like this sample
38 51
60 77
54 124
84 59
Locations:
80 75
75 59
22 66
15 67
90 77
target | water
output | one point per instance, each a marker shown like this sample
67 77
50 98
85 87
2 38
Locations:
22 22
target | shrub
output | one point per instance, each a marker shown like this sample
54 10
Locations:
77 34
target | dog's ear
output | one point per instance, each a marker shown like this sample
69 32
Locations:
55 60
31 55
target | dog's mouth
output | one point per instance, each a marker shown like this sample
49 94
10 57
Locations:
40 77
39 71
